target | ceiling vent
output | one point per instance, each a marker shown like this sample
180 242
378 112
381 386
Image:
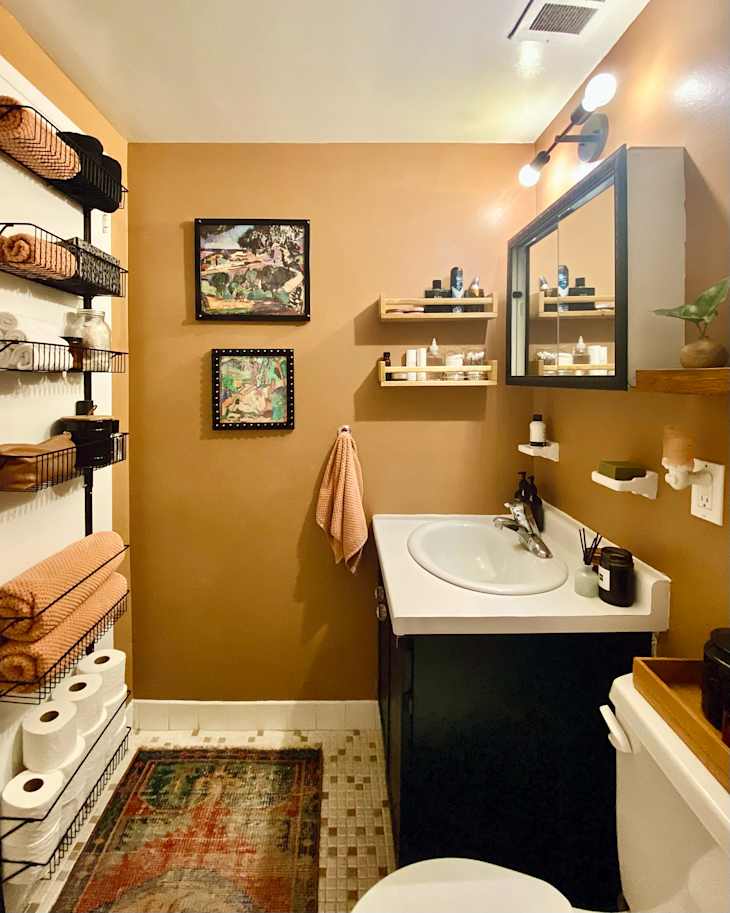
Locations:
544 20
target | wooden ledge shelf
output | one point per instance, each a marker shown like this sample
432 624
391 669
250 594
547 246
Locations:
404 308
490 368
698 381
570 369
597 314
538 300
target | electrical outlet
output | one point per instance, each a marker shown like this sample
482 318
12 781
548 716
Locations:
707 500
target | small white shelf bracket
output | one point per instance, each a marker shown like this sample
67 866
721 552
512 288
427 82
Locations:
550 451
646 486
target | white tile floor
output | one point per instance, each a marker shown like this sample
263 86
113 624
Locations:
356 845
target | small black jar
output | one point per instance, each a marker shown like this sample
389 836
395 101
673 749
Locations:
716 676
616 583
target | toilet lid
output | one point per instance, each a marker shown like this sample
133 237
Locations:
461 885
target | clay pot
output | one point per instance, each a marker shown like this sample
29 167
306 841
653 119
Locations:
703 353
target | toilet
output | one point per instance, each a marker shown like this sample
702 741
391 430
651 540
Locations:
673 827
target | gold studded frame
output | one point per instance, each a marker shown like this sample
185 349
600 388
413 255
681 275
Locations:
253 389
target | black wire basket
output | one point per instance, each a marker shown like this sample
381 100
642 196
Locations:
40 689
25 474
70 162
51 357
73 266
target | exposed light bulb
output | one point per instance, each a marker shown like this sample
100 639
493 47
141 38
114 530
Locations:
599 91
528 176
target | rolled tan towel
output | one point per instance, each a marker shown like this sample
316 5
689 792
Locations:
29 594
21 662
340 511
36 255
25 136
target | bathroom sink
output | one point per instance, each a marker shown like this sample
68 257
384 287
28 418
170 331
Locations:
475 555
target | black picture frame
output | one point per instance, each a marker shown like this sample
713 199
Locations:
217 363
612 172
203 311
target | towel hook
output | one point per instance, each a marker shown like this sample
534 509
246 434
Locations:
344 428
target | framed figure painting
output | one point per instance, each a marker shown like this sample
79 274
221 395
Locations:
253 389
252 269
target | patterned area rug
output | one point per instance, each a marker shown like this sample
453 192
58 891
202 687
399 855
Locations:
205 831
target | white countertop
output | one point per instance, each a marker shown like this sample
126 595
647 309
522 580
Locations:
421 603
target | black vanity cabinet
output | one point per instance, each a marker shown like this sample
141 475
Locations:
496 750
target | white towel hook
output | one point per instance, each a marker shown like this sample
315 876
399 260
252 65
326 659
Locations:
344 428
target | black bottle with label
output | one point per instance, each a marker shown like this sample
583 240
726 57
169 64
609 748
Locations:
535 502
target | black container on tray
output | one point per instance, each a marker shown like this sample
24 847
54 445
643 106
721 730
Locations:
716 677
93 437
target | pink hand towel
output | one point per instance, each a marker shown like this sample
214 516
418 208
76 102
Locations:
340 512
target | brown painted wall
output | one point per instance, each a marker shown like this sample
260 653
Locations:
673 90
32 61
237 596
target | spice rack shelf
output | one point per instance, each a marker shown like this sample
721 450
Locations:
490 369
646 486
74 266
568 369
551 451
699 381
31 140
539 300
13 868
45 470
404 309
38 690
52 358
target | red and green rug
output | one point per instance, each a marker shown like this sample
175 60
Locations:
205 831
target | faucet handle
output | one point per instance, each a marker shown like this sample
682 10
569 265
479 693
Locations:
522 512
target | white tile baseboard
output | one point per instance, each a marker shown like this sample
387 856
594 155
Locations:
247 715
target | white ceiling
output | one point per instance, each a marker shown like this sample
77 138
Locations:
318 70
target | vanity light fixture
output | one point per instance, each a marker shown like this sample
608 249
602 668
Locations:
594 128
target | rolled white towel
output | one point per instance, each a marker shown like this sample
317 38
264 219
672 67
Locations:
8 321
50 355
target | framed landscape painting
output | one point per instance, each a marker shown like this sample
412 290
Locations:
252 269
253 389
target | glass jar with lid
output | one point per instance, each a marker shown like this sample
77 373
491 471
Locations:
475 360
95 334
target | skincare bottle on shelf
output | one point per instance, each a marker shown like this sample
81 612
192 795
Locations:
457 282
538 432
411 362
580 352
435 358
422 361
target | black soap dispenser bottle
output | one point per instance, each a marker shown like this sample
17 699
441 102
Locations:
523 488
535 502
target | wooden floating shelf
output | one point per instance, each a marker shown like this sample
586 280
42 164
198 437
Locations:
699 381
389 309
538 300
598 314
490 368
673 687
575 299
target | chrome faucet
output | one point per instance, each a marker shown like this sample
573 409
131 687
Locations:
522 521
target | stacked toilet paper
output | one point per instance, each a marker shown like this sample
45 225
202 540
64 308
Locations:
57 737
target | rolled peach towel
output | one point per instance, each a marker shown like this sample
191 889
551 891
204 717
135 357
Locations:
34 595
21 662
340 511
25 136
37 255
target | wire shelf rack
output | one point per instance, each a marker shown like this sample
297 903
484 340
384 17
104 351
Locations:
51 357
40 689
50 865
67 162
73 265
27 474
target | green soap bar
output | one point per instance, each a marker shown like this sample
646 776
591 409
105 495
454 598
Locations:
621 470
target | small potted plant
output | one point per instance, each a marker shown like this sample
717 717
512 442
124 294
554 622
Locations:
703 352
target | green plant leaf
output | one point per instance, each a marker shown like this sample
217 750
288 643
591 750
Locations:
704 308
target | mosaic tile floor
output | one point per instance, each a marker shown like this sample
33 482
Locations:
356 845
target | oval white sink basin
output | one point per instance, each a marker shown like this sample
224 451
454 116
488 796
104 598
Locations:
478 556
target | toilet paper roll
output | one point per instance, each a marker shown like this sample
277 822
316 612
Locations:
110 665
69 766
112 705
31 795
49 735
86 692
36 851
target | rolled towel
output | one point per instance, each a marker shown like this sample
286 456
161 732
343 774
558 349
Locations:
27 137
32 253
18 356
20 662
33 356
340 511
28 594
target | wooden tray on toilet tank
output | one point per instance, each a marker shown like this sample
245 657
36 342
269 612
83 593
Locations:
672 687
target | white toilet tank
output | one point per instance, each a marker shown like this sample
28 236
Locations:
673 817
